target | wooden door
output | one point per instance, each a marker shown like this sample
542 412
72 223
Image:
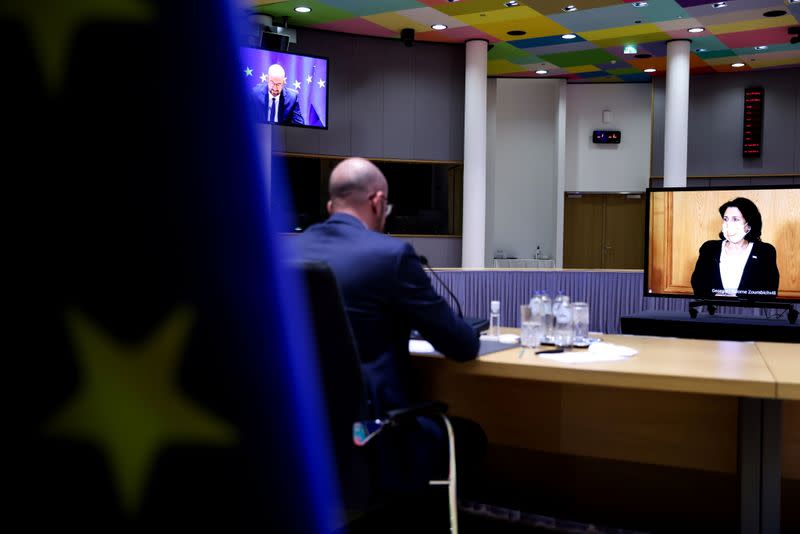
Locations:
604 231
583 231
624 232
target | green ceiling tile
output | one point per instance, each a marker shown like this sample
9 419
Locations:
511 53
709 42
582 57
750 51
711 54
624 71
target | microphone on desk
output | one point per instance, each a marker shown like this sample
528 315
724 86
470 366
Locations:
478 324
424 262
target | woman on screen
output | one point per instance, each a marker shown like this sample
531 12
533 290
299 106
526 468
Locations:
740 265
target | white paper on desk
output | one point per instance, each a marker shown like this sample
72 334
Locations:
509 339
597 352
420 346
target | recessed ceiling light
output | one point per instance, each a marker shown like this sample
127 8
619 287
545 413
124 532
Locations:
439 27
737 65
775 13
639 4
516 32
303 9
650 70
569 36
700 50
718 5
567 9
541 71
512 3
761 47
696 30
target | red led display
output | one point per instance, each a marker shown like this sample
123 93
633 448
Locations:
753 122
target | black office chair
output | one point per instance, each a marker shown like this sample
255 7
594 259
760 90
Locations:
353 428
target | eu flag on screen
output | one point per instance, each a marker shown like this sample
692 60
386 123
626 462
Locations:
312 97
158 387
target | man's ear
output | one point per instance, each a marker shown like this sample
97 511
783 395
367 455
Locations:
329 207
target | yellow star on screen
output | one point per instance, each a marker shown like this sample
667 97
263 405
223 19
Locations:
128 402
54 23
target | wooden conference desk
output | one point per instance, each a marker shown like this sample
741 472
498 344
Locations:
684 435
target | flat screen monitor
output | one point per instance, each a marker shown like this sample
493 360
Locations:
285 88
704 243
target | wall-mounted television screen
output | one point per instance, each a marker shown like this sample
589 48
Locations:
732 243
285 88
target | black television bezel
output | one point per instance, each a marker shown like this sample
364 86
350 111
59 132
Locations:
727 301
327 89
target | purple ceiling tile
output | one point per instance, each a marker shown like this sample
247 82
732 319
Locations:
690 3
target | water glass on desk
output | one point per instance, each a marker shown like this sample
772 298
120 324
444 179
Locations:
580 318
531 326
564 330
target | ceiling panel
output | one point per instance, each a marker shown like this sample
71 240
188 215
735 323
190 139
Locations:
528 37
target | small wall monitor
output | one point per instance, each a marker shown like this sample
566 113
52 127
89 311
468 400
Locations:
607 137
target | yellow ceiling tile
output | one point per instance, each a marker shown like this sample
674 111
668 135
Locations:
502 66
747 25
624 31
539 26
581 68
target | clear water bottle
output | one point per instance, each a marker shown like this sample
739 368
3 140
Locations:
494 319
547 318
536 303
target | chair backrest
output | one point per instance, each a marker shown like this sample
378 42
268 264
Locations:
340 371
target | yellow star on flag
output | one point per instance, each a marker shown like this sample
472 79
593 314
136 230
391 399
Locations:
54 23
128 402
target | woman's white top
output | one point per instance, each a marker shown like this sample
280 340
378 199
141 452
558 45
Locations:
731 267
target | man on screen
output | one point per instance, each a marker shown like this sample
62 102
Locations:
274 102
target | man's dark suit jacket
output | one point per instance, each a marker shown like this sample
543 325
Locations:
386 293
760 272
288 105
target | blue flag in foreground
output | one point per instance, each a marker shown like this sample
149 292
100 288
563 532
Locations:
160 387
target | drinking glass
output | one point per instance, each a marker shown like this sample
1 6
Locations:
564 331
580 317
531 326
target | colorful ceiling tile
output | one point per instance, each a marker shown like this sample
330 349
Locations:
768 36
574 59
429 16
528 37
395 21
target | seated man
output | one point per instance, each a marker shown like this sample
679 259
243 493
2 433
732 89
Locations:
386 295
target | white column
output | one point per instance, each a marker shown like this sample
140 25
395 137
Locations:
473 241
676 113
561 168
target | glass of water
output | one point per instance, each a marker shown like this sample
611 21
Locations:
580 317
564 331
531 326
